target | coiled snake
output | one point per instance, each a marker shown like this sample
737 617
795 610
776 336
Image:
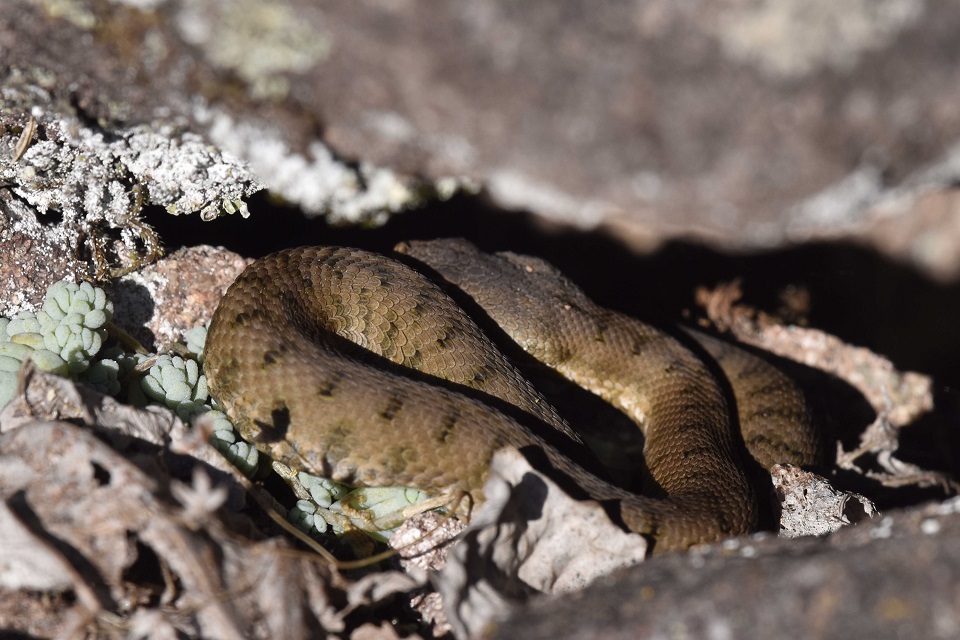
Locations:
357 367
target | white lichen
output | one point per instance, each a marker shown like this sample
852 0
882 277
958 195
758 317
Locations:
86 175
790 39
314 180
258 41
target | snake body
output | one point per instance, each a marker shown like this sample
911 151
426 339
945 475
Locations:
357 367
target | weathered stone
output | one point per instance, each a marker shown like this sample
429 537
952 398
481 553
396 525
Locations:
893 577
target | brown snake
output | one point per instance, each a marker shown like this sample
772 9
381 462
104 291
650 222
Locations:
357 367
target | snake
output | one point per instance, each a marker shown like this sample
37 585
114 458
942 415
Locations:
373 370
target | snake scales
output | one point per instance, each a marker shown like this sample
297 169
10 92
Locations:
357 367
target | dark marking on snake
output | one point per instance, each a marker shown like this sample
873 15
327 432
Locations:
394 404
276 429
327 386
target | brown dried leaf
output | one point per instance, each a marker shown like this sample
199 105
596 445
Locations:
143 550
528 537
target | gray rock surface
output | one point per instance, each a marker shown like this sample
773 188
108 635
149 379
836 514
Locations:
889 578
746 124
